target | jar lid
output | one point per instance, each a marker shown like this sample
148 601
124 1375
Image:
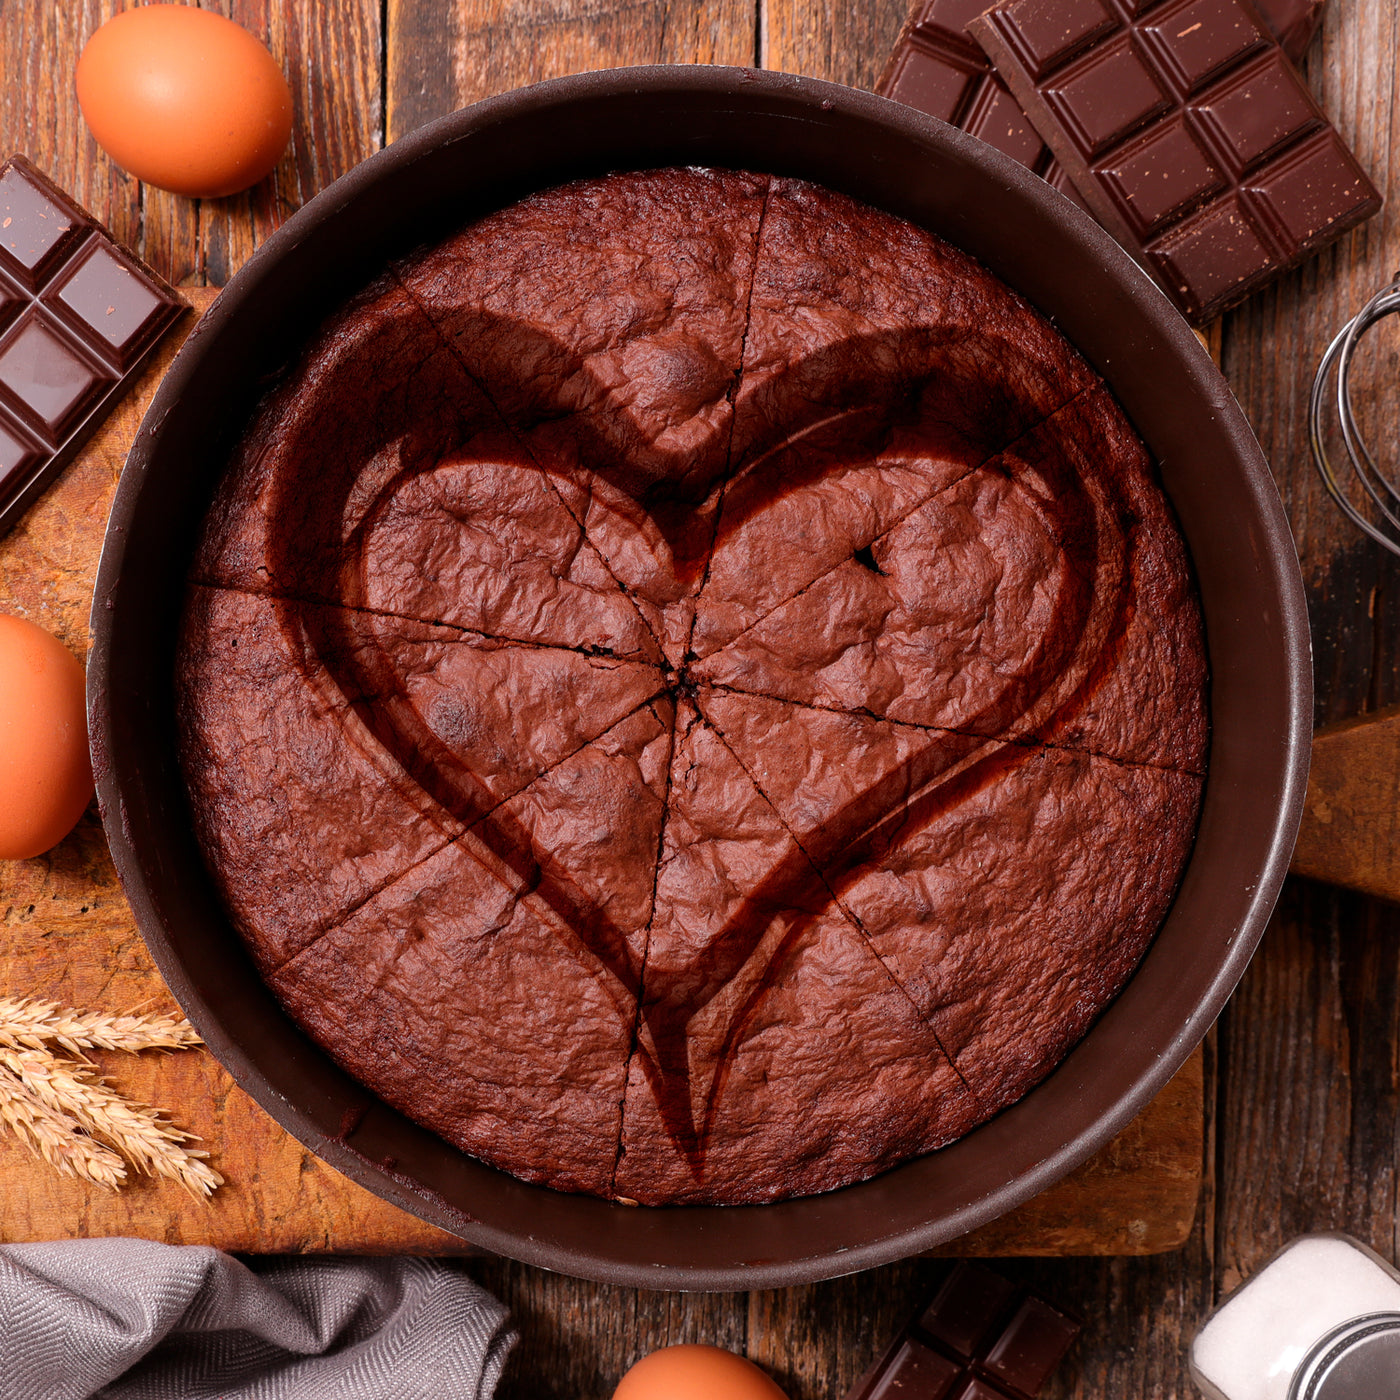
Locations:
1360 1360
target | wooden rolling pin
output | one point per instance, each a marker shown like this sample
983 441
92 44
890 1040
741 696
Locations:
1351 817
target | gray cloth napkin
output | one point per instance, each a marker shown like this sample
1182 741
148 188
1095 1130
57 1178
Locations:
132 1320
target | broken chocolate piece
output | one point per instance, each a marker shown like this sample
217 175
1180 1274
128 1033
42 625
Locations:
937 67
1188 133
981 1338
1293 21
79 314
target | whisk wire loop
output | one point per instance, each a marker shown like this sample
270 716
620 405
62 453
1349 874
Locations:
1382 490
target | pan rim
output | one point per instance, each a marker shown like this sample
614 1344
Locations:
736 87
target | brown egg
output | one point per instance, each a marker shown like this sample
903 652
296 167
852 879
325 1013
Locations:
185 99
45 772
696 1373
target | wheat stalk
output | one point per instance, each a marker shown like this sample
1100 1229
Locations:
151 1143
32 1025
60 1108
57 1138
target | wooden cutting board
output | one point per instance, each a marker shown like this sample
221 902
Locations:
66 934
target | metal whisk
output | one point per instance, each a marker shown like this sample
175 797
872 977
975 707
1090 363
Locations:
1383 492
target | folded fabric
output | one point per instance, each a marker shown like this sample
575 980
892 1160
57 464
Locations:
133 1320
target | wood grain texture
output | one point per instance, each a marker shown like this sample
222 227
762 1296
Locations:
67 934
445 55
1351 820
846 42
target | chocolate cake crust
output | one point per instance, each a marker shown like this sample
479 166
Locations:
691 689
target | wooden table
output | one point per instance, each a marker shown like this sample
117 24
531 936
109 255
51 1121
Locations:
1303 1072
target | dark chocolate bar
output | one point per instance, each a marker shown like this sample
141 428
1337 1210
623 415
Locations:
939 68
980 1338
79 314
1188 133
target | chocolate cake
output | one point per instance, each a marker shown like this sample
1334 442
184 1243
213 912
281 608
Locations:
692 691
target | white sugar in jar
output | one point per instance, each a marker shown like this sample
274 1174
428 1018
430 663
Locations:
1320 1321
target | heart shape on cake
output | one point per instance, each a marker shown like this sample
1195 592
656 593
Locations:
850 490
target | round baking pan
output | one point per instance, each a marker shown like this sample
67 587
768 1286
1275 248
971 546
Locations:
485 157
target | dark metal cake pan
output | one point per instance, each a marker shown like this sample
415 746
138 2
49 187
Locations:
485 157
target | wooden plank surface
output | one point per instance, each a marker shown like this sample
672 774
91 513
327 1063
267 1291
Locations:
489 46
1302 1113
1351 822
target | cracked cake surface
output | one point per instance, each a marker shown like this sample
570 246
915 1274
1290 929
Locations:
691 689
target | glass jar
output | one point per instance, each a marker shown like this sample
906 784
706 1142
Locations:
1319 1321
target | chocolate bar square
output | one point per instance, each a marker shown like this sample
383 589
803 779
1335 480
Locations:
1107 96
916 1372
38 223
46 378
1030 1346
1160 174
